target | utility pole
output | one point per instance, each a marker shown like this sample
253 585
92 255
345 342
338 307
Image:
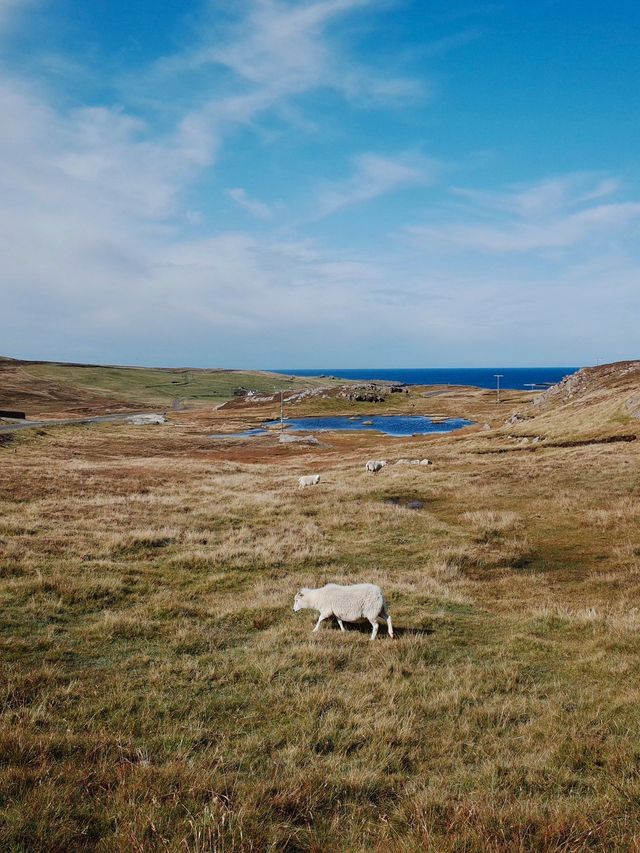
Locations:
531 386
498 377
281 412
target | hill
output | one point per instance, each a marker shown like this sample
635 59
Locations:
595 404
52 388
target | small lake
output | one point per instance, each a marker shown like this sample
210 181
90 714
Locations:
398 425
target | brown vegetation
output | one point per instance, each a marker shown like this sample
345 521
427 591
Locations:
158 692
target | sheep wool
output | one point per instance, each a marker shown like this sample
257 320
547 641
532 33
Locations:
358 602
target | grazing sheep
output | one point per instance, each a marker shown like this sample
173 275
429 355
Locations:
358 602
375 465
309 480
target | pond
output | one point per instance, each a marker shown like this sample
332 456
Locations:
247 432
398 425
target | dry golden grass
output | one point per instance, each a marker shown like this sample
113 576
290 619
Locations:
158 692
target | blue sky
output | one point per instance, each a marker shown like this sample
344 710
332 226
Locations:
269 183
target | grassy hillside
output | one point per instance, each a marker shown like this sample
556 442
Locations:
52 388
595 404
158 692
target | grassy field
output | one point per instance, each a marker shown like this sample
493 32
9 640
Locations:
162 385
158 692
48 388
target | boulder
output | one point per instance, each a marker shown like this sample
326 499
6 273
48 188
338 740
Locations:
144 420
287 438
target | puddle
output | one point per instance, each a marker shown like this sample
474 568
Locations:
245 434
406 502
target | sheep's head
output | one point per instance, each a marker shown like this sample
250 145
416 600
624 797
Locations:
299 600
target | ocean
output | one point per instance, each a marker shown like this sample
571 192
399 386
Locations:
519 378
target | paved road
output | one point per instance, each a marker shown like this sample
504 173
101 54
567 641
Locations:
97 419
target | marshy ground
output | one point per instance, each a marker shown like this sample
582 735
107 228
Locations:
158 692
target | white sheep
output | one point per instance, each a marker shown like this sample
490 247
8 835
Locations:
375 465
309 480
358 602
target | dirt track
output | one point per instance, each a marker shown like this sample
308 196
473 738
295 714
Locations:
97 419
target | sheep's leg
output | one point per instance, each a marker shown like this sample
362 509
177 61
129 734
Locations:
340 624
374 624
321 618
389 625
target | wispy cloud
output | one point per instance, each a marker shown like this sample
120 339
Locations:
114 244
556 214
281 46
288 48
252 205
275 51
373 176
544 198
98 260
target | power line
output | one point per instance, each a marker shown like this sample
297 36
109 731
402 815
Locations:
498 377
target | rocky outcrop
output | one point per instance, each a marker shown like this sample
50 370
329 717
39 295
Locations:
364 394
516 418
621 375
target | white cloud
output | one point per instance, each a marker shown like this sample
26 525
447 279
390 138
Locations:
544 198
252 205
99 264
374 176
286 48
96 260
274 52
556 214
96 213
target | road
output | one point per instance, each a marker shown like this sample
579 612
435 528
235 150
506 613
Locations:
97 419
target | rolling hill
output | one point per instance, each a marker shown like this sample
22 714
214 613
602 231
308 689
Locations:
51 388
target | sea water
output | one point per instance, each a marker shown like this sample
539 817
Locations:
520 378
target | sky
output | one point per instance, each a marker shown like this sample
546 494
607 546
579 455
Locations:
320 183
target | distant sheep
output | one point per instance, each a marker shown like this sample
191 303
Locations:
359 602
309 480
375 465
